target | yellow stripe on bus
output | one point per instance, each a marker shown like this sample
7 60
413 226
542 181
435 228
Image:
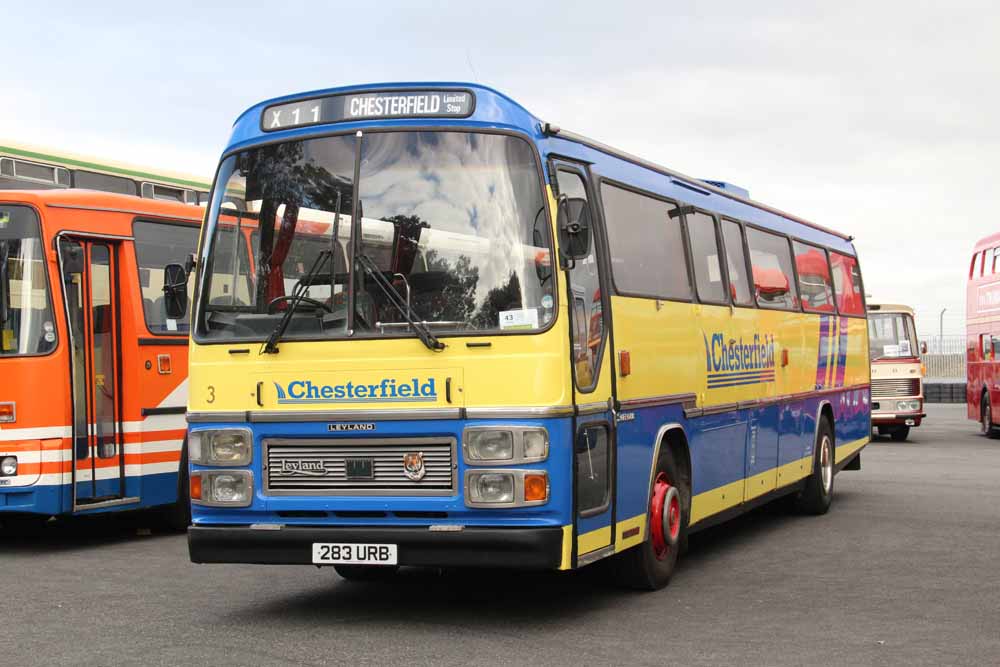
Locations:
845 450
567 548
593 540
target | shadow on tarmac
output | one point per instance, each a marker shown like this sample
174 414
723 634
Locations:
480 597
20 534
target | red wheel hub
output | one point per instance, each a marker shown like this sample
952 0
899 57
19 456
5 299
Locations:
664 516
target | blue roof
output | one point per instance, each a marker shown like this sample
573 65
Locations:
494 110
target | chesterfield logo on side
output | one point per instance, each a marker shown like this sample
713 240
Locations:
736 361
388 390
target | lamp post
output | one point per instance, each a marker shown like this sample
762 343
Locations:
941 331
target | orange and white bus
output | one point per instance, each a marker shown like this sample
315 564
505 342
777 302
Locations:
94 374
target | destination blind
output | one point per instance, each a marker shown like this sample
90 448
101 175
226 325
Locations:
363 106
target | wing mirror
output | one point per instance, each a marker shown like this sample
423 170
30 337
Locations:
923 347
175 291
573 220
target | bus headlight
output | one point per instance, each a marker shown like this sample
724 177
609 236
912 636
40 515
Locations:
907 406
491 488
506 488
488 445
222 488
222 447
8 466
504 445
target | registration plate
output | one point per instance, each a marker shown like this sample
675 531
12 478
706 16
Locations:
353 554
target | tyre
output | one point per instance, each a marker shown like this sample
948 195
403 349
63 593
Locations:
178 515
817 494
649 566
366 572
986 426
900 433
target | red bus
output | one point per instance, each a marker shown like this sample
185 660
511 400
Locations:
983 335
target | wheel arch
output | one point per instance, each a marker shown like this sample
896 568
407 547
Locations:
825 409
674 438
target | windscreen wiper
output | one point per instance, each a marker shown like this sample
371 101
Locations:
271 345
425 335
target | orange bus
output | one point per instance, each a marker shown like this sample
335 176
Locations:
94 373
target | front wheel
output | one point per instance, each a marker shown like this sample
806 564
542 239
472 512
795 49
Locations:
816 496
986 418
900 433
649 566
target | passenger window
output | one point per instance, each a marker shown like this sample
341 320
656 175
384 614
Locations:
739 287
592 469
156 245
585 285
815 284
705 257
985 346
847 284
771 260
93 181
646 244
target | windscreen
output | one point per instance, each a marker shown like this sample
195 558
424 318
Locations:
26 323
453 223
891 336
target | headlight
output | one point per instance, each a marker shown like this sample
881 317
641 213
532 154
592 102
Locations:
491 488
504 445
907 406
8 466
489 445
222 488
506 488
224 447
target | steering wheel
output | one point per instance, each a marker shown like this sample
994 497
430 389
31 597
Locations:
290 297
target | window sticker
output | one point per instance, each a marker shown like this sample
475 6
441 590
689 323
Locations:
890 350
525 318
171 324
904 348
8 340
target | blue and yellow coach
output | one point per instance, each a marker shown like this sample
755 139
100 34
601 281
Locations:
431 329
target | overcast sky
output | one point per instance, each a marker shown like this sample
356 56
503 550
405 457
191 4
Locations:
881 119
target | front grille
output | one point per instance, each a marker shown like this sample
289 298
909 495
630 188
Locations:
891 388
319 467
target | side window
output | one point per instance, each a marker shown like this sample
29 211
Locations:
815 284
972 265
771 260
985 348
739 287
93 181
847 284
705 257
646 244
592 469
156 245
585 286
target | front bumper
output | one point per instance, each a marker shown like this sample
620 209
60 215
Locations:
897 418
520 548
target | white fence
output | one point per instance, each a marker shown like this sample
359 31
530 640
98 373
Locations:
945 358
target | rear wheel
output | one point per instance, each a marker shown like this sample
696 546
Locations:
900 433
650 565
366 572
815 498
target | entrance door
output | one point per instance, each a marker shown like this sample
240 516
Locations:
90 290
592 386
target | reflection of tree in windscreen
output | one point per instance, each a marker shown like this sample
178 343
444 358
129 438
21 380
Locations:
280 175
446 291
504 297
